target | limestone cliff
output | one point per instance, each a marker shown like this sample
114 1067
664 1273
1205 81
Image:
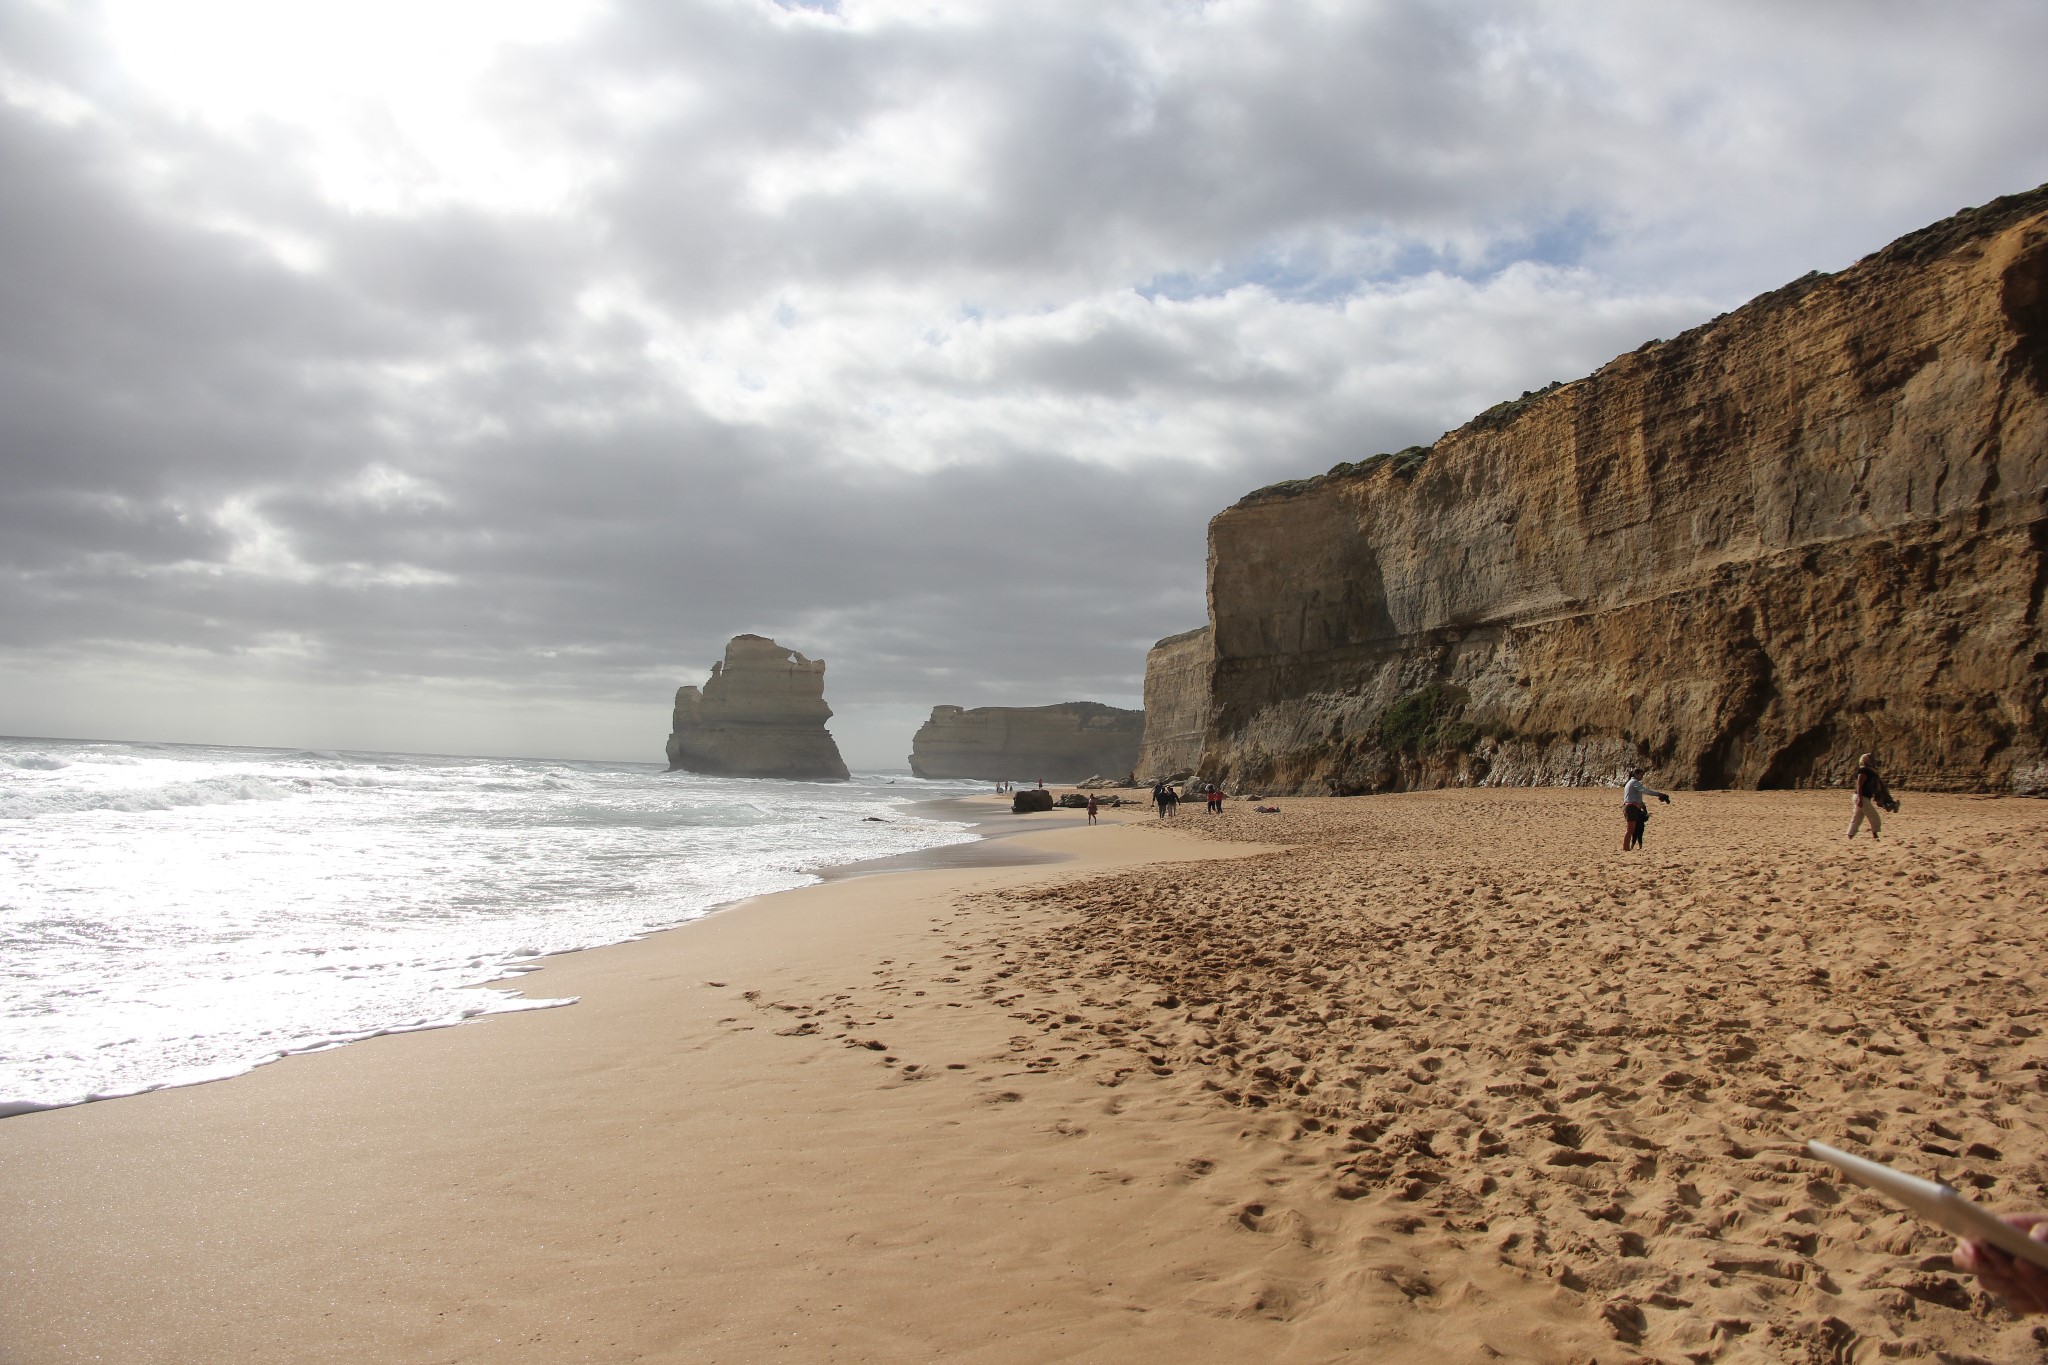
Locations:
1063 743
1177 679
762 714
1812 527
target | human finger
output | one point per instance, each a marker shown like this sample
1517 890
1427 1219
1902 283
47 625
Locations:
2023 1286
1994 1270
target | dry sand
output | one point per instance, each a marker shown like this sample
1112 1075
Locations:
1445 1078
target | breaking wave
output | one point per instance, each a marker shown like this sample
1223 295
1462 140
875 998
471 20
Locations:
207 791
33 762
178 913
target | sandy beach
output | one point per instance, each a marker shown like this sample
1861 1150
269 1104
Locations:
1440 1076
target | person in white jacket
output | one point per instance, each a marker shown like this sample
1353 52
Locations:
1635 811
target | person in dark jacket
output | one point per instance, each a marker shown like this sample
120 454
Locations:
1871 796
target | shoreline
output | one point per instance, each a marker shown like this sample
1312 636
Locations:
392 1144
967 853
994 828
1430 1076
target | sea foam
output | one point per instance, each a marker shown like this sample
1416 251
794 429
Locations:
210 791
182 913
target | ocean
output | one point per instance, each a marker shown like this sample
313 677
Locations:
175 913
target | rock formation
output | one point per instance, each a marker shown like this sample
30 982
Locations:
1030 800
762 714
1177 678
1812 527
1062 743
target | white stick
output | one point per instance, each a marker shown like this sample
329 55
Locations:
1939 1204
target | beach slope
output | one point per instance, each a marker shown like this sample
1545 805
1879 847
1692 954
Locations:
1439 1076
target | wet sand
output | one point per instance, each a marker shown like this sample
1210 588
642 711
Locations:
995 845
1431 1077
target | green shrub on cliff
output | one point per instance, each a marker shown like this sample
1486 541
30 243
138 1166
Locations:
1407 461
1428 721
1500 414
1404 464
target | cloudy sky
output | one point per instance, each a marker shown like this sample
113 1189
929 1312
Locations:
457 375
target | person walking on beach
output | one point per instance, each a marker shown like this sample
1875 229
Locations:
1091 808
1635 812
1871 795
1215 799
1159 798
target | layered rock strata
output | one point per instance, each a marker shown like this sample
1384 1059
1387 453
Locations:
1177 679
761 714
1741 557
1062 743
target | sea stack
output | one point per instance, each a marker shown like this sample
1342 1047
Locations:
761 714
1064 743
1812 528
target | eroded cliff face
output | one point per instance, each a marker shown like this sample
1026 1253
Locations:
1741 557
1068 742
762 714
1177 679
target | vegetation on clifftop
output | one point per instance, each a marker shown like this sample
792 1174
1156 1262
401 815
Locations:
1403 462
1500 414
1913 249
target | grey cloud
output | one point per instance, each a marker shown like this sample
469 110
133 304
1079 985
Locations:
1095 151
54 528
1112 362
422 462
1101 142
1073 568
502 281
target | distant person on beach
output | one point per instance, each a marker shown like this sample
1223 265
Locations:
1635 812
1159 798
1871 796
2024 1287
1215 799
1091 808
